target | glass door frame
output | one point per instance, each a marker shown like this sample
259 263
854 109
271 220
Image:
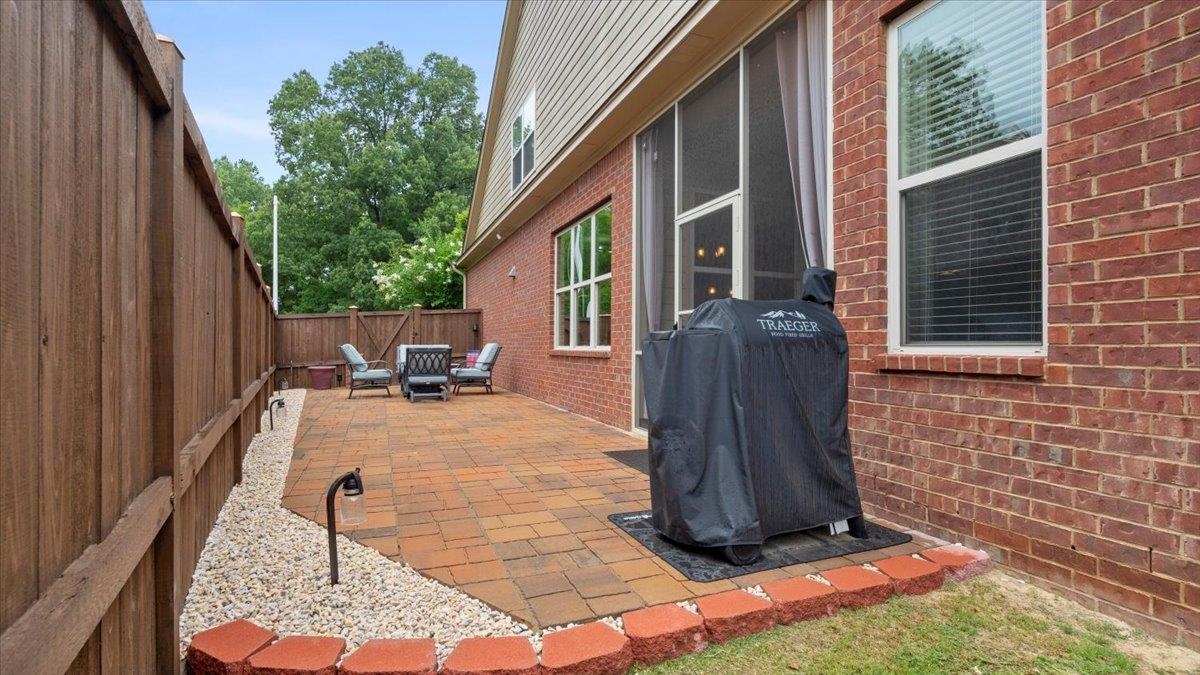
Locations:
733 202
739 214
738 239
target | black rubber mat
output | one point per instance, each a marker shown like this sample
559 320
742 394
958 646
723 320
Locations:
709 564
635 459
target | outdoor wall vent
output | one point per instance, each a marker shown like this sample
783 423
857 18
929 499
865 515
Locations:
512 274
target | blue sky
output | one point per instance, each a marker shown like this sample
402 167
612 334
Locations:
237 53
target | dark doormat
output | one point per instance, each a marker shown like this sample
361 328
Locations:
709 564
635 459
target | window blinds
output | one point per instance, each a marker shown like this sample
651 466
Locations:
970 80
973 256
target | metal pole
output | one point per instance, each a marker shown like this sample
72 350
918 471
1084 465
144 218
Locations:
275 252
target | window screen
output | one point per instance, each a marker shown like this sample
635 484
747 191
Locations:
708 129
970 80
973 256
522 143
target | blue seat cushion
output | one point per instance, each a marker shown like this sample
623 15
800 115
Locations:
426 379
376 374
469 373
352 357
487 356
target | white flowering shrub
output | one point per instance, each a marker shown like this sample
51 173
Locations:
422 273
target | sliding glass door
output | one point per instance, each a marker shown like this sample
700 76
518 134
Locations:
731 181
709 254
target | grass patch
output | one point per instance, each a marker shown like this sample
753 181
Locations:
976 626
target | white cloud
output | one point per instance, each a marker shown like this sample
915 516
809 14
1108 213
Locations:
222 122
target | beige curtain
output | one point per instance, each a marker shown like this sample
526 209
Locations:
650 206
802 57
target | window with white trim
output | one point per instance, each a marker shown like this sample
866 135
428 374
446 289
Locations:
965 188
583 282
522 143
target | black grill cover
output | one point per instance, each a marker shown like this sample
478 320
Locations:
747 409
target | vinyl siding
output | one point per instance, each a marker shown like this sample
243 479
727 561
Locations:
574 55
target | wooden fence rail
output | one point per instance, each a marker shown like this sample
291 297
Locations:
137 345
303 340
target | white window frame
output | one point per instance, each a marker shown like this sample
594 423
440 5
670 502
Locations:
897 185
592 284
526 110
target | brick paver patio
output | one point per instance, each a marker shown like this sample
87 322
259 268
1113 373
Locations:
505 497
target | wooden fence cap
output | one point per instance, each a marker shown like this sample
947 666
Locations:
167 40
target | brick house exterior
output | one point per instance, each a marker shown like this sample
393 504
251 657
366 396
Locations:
1083 468
518 311
1079 469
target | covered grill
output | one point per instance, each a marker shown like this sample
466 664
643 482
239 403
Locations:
748 435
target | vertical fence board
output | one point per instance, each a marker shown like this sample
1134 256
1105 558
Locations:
109 173
68 310
100 138
125 289
166 210
20 261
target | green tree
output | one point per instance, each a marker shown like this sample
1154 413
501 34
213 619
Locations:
377 156
248 194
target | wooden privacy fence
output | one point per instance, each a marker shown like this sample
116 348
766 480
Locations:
303 340
137 345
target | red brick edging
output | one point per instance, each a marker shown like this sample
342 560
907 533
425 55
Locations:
652 635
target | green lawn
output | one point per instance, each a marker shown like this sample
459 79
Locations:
989 624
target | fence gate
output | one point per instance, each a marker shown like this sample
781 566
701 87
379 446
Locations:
303 340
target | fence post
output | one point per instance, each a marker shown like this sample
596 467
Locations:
416 325
238 340
167 212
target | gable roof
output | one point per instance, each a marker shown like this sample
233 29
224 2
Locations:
504 56
591 96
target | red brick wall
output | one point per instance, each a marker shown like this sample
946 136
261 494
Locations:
1084 471
519 313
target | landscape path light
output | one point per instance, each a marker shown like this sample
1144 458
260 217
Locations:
353 509
277 403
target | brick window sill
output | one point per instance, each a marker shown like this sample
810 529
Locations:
1020 366
605 353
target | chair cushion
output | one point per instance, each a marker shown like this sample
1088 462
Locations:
487 356
427 379
466 373
352 357
376 374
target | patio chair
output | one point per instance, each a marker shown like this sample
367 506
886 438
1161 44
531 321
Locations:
402 358
479 375
362 375
426 372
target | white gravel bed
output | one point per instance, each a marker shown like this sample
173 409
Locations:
266 564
